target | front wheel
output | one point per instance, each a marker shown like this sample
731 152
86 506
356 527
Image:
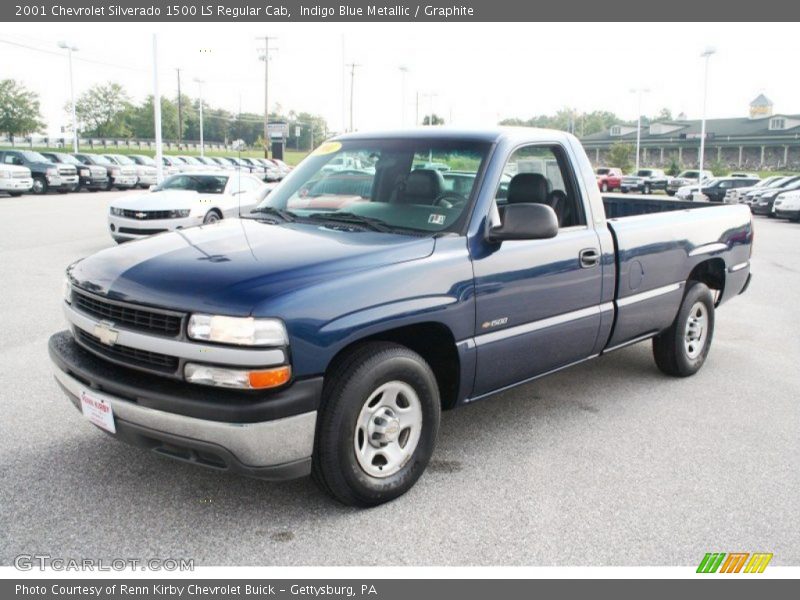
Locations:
647 189
211 217
682 349
378 424
39 185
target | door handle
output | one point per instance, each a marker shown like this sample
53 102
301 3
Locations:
589 257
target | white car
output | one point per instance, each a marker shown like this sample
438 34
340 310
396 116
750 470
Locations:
146 174
184 200
787 206
15 180
692 192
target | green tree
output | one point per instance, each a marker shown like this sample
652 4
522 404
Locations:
142 119
104 110
674 166
19 109
433 119
620 155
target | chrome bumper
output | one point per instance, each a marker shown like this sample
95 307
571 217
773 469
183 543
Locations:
254 446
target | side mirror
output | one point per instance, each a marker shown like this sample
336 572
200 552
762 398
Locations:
525 221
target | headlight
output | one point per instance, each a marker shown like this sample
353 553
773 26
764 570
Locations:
237 378
117 212
242 331
85 173
115 172
179 214
5 174
52 172
67 291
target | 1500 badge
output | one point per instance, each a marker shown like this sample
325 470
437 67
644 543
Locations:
494 323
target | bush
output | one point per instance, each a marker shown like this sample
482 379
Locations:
675 167
620 156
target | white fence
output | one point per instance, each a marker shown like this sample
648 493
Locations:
105 143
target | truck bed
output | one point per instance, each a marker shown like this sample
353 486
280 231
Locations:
658 245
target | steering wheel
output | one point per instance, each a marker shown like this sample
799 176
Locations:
450 200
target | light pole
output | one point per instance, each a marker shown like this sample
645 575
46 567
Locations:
157 114
265 57
352 89
70 49
403 73
638 92
707 55
200 83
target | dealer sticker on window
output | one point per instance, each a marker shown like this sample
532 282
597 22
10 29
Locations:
436 219
98 411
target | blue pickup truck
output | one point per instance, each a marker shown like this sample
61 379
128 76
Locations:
325 332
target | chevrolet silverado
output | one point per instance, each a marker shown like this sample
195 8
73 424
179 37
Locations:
322 337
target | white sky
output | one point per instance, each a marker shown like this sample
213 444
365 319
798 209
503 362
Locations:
480 72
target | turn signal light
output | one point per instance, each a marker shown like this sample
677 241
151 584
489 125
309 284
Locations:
237 378
271 378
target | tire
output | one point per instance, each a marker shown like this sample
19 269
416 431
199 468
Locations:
625 190
670 194
647 189
109 186
15 194
39 186
375 381
212 216
682 349
63 191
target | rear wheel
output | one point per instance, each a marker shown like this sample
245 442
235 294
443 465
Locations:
378 424
682 349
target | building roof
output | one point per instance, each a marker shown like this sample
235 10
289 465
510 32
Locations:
761 100
718 129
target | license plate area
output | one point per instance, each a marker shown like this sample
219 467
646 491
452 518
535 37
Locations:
98 410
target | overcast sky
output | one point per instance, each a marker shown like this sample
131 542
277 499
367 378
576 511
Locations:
480 73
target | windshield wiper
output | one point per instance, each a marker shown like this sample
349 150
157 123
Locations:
283 215
354 219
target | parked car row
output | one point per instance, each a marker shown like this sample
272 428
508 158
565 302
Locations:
24 171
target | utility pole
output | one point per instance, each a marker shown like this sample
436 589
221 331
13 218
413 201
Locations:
352 87
707 55
416 115
265 57
180 108
639 92
157 113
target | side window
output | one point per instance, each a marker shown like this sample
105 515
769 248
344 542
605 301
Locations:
8 159
542 174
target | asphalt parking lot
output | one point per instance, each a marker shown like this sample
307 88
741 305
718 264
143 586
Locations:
609 463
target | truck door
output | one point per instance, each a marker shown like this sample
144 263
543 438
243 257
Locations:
538 302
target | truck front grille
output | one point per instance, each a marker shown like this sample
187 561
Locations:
129 315
20 175
126 355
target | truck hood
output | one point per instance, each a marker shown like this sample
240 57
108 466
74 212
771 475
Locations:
236 264
166 200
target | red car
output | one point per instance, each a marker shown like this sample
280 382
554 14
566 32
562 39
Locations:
608 178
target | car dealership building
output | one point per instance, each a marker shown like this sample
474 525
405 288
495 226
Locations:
761 140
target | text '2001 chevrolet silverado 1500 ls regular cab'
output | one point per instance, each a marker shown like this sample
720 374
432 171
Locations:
325 332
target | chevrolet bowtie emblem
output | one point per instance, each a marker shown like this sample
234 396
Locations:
105 332
141 215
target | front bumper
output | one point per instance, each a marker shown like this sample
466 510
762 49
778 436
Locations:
94 183
63 182
16 185
124 181
761 209
269 436
147 180
124 229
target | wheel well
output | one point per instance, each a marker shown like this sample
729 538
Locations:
432 341
712 273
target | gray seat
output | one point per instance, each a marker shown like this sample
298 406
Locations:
423 186
528 188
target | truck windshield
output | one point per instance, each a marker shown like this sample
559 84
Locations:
31 156
66 158
414 185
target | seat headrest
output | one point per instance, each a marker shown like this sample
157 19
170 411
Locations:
424 183
528 187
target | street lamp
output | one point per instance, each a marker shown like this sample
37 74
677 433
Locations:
639 92
707 55
200 83
404 72
70 49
